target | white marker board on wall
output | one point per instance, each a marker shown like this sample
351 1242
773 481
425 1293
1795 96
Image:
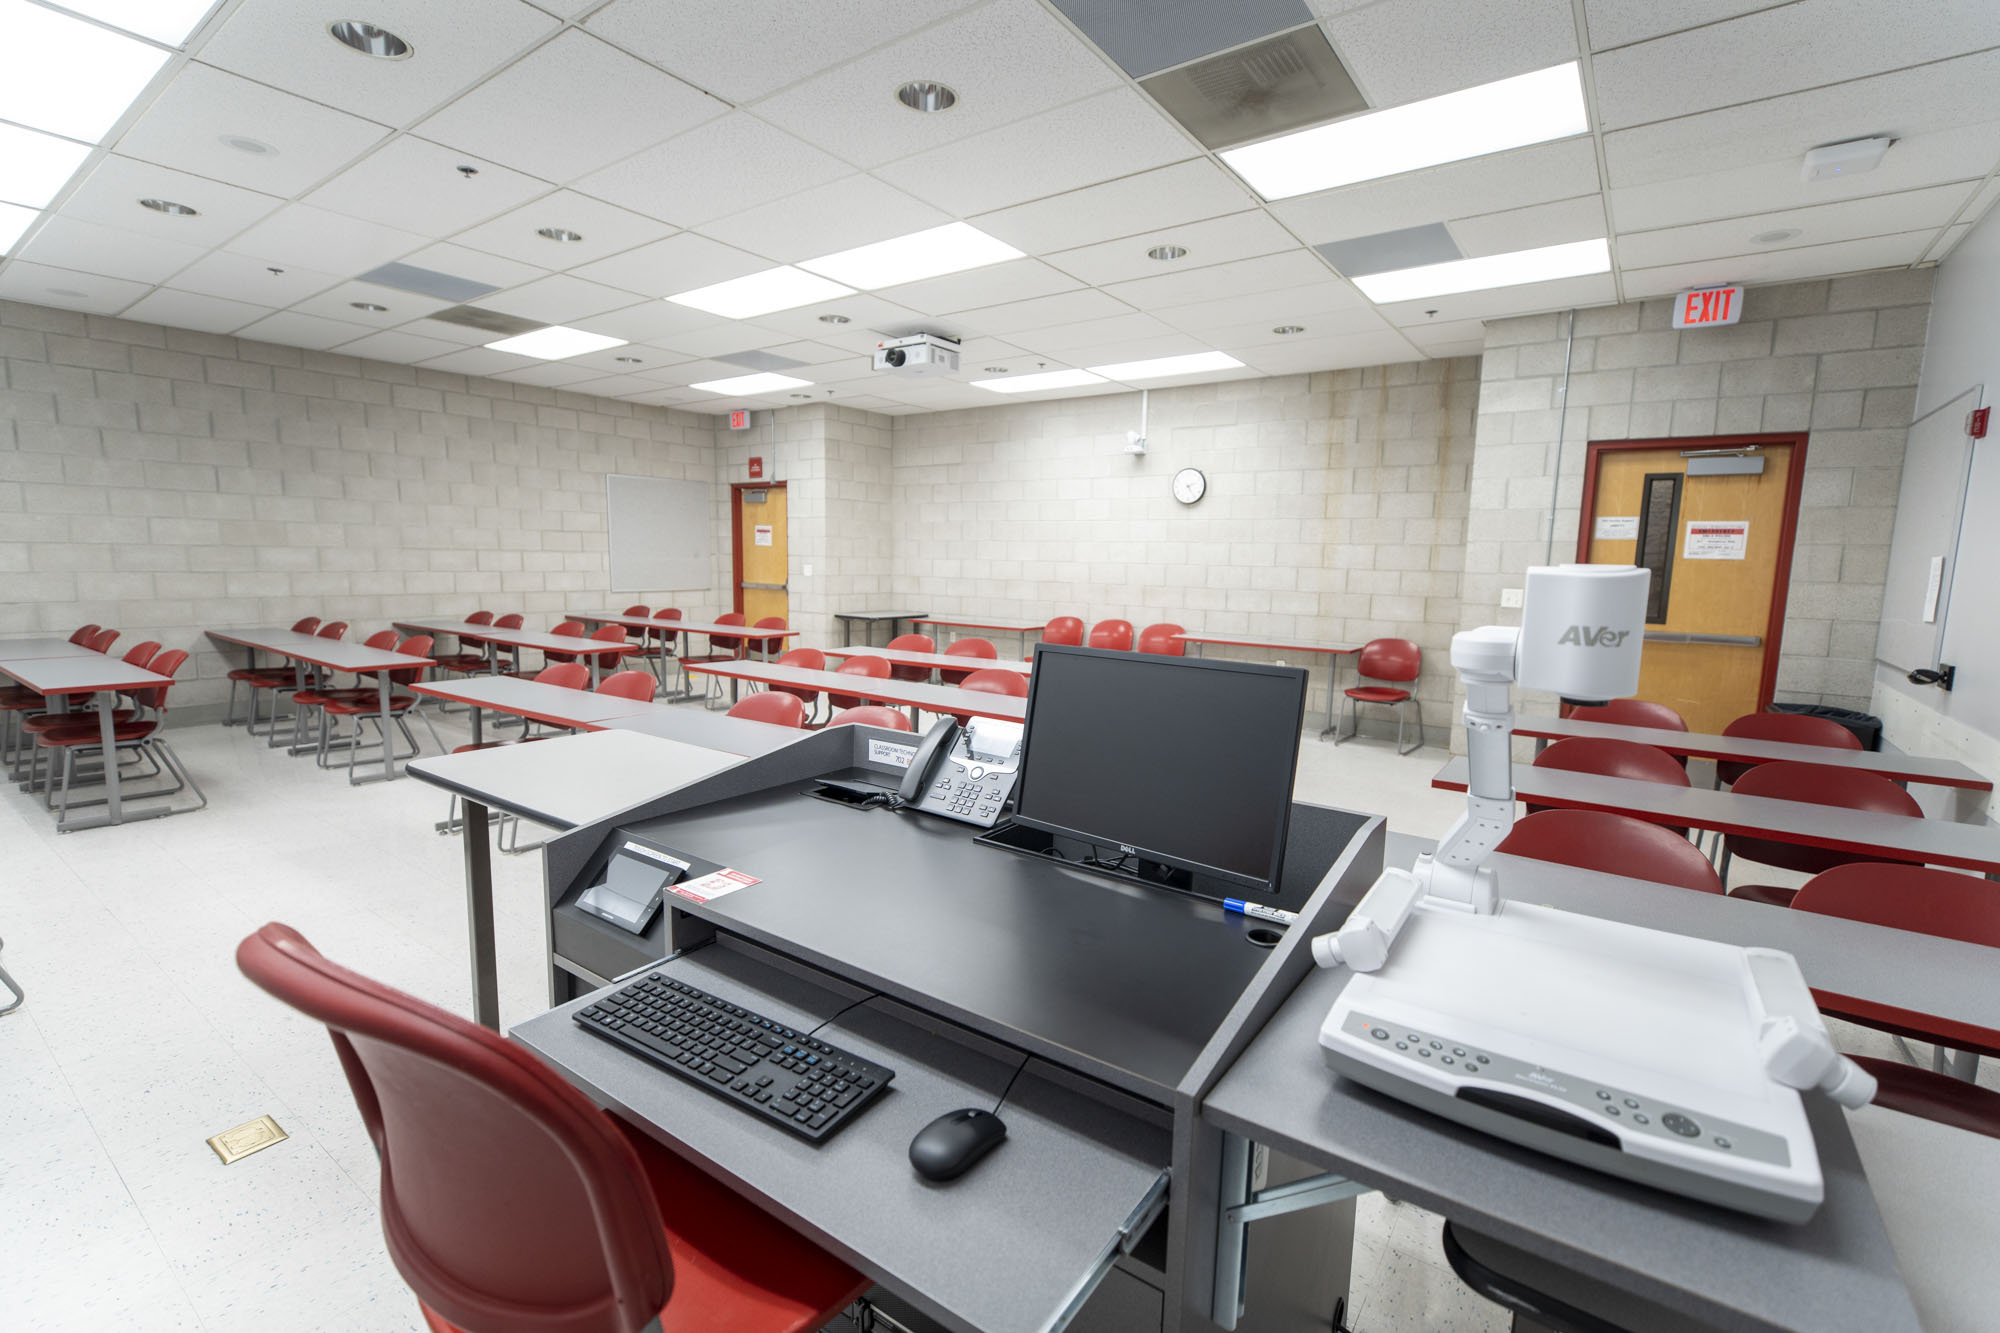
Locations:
1937 464
660 533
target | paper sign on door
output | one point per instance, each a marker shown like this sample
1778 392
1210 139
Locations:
1618 527
1717 539
763 534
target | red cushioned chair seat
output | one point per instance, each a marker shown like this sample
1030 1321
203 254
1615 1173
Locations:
1940 1097
1769 894
87 733
1377 694
372 704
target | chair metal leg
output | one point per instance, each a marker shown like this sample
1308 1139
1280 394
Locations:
1401 709
1340 720
12 987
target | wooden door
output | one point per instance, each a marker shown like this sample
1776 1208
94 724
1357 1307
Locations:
761 552
1719 543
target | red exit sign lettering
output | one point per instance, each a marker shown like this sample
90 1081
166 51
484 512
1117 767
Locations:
739 420
1708 308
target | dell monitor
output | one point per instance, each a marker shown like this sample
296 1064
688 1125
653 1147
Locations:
1177 761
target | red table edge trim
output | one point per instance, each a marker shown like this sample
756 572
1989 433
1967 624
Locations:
1951 1032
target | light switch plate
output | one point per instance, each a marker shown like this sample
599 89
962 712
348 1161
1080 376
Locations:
1510 598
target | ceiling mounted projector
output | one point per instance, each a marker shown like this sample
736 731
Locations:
918 354
1844 159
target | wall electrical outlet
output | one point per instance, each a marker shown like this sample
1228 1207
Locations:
806 572
1510 598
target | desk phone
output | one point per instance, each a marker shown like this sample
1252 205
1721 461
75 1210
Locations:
965 773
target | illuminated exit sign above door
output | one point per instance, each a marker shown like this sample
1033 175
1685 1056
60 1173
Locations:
1711 307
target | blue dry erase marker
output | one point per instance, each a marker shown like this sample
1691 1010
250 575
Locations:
1260 911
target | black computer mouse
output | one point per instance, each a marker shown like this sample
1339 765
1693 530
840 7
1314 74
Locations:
948 1146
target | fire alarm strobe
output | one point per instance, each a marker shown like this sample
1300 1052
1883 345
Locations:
918 354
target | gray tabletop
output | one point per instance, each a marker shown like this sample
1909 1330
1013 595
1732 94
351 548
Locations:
714 731
50 647
572 780
555 704
948 661
1004 626
1935 1186
902 693
880 615
1889 763
79 675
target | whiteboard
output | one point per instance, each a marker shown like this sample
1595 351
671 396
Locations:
1972 621
659 529
1935 463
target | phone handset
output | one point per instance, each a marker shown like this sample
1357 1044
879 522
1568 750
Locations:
936 745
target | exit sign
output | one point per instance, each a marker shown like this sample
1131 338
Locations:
739 420
1708 308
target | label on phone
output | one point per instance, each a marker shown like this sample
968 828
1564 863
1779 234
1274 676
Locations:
888 752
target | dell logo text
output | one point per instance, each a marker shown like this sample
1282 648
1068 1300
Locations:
1602 637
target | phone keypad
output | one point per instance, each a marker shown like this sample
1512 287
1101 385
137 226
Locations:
975 801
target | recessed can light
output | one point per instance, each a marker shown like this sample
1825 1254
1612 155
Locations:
834 319
243 143
996 370
1776 235
369 40
1286 330
628 360
563 234
1167 252
926 95
369 306
169 207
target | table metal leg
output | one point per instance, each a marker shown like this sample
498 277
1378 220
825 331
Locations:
1240 1202
478 716
479 916
107 703
388 741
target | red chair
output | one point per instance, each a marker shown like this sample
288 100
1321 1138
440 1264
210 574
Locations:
979 648
1816 784
911 643
1396 660
83 633
563 675
773 706
1113 634
1940 1097
638 685
512 620
468 662
568 629
667 637
1630 713
512 1204
721 648
993 680
278 680
806 659
871 668
1612 845
101 641
754 644
1160 640
872 715
1063 630
366 704
1792 728
134 731
142 653
1612 759
610 634
640 611
332 629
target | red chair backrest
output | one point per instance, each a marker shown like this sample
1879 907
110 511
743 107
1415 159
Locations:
1613 845
305 624
1613 759
1063 630
972 648
570 629
480 618
638 685
809 659
381 640
636 611
417 645
139 654
102 641
1160 639
995 681
333 629
569 675
1391 659
510 1203
1817 784
1116 634
876 668
667 613
1906 897
1631 713
727 641
83 634
610 633
913 643
871 715
512 620
166 664
774 706
1794 729
769 622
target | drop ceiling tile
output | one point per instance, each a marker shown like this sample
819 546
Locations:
1452 332
91 248
289 328
110 195
478 361
677 264
1288 269
1908 103
443 331
550 374
564 8
394 345
1946 242
1851 219
1782 50
839 215
1130 206
338 303
474 265
1489 39
1145 39
650 321
611 386
1618 22
1502 302
714 170
745 49
67 289
1217 240
1043 311
187 310
1005 60
1982 201
1091 332
1580 219
1340 352
813 353
415 184
606 230
1256 333
241 278
569 108
716 340
1014 280
1537 175
314 238
560 298
1309 303
868 317
1080 144
1114 351
1811 261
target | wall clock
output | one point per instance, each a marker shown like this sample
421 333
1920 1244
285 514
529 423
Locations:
1189 485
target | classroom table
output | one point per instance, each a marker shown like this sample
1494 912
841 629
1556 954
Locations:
1332 652
58 679
1873 833
941 661
900 693
556 705
564 782
334 655
869 619
592 650
44 647
1002 627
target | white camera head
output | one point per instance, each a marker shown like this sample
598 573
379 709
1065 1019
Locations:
1582 628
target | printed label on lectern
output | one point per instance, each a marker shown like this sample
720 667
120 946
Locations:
888 752
712 886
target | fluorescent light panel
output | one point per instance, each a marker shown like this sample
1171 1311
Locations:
1575 260
168 21
66 76
555 343
782 288
1048 379
745 385
34 166
952 248
14 221
1511 113
1194 363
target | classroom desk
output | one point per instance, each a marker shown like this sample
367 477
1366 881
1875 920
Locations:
16 649
590 650
1940 842
553 704
563 782
900 693
940 661
1000 626
869 619
59 679
1837 1271
333 655
1332 652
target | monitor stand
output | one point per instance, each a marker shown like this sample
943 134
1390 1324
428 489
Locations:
1012 837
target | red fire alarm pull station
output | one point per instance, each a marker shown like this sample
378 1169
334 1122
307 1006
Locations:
756 469
739 419
1976 428
1710 307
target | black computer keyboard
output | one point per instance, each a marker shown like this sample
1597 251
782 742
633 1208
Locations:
806 1085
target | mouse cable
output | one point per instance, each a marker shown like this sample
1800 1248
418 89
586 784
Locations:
1010 1084
842 1010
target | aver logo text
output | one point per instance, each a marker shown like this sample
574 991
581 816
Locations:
1583 636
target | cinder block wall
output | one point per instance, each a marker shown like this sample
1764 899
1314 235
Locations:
167 482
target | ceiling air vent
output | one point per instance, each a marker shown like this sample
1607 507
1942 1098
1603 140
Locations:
1284 83
754 360
427 282
491 321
